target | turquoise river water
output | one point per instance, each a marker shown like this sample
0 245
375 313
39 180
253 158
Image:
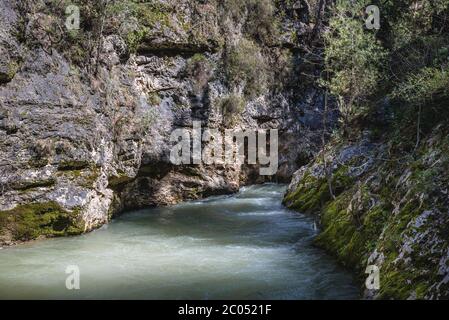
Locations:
244 246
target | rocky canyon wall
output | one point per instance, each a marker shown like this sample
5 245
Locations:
86 115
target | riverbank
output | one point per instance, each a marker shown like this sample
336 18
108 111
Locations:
379 206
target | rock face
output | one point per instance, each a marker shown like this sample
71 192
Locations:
86 115
385 210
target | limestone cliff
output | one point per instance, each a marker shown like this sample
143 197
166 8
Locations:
86 115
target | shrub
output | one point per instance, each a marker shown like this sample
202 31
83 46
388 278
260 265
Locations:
409 21
261 23
231 108
79 46
245 66
199 68
428 85
353 58
233 9
137 19
419 65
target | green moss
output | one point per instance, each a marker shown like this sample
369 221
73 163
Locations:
83 177
309 199
72 165
394 285
119 180
340 235
349 239
27 222
154 99
352 228
11 69
421 290
313 192
401 283
135 38
38 163
373 223
35 184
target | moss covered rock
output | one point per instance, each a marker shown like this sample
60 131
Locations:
7 70
30 221
392 214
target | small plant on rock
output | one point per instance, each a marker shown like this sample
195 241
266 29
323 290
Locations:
231 108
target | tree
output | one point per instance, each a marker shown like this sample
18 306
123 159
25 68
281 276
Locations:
353 59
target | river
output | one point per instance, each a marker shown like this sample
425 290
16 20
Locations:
244 246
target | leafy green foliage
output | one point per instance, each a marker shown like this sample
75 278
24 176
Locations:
353 58
409 20
419 63
425 86
406 60
401 70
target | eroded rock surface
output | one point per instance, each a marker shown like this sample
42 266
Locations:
86 116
